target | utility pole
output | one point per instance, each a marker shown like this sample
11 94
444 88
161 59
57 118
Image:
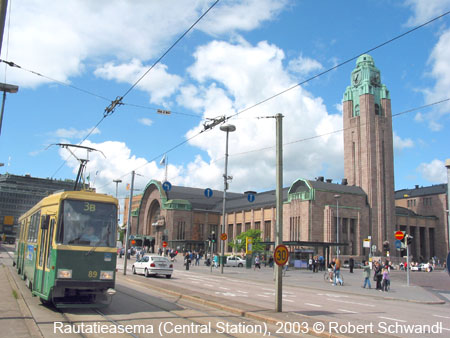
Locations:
128 224
279 203
447 165
407 260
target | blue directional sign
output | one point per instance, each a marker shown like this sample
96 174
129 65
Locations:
251 198
208 192
398 244
167 186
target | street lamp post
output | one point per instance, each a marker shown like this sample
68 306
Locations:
6 88
226 128
337 224
117 189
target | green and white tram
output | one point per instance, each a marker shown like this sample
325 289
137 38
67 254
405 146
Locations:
66 249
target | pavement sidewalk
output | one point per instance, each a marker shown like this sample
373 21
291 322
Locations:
16 320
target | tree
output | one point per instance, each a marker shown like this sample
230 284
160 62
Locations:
253 233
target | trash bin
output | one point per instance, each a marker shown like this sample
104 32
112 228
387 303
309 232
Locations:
222 260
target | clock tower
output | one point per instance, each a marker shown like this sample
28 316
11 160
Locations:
368 148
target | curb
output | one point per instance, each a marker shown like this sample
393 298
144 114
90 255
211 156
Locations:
28 318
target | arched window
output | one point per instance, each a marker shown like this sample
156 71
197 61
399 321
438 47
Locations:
356 112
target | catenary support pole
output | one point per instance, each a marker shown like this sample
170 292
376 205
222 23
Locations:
128 224
279 221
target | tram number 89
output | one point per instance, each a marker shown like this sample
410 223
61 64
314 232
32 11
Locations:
92 274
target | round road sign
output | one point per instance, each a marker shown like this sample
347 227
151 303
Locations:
281 254
167 186
164 244
223 237
399 235
208 192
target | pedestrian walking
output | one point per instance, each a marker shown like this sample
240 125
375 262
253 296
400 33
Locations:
386 280
366 274
378 275
257 263
351 264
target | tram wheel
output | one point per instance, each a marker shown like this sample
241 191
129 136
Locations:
168 276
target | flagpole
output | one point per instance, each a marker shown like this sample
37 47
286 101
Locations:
165 162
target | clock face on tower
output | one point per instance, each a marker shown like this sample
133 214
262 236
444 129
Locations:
356 78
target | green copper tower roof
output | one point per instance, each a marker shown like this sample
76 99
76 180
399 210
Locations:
365 79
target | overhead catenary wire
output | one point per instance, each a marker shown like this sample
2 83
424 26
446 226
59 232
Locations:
118 101
331 132
110 109
339 65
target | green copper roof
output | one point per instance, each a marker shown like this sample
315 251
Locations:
365 79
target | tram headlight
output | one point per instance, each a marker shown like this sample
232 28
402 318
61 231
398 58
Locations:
106 274
64 273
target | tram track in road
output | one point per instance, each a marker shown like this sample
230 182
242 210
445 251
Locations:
207 313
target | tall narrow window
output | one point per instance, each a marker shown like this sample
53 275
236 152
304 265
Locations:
377 109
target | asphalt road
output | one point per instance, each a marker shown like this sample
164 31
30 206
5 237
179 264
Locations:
308 297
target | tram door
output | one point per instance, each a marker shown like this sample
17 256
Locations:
45 245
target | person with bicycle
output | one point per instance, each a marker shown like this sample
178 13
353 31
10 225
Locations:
337 271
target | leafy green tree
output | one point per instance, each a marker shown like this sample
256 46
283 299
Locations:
253 233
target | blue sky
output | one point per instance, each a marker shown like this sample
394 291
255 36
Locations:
241 53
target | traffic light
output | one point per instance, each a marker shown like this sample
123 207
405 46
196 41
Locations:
386 246
213 237
409 240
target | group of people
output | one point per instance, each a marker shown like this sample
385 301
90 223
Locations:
380 275
316 263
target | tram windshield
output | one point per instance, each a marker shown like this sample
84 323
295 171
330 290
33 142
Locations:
87 223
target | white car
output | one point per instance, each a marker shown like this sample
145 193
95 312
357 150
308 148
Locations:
235 261
152 265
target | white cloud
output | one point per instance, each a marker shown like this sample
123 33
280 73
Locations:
145 121
434 172
304 65
426 10
158 83
61 39
230 79
73 133
118 163
419 117
440 71
400 144
245 15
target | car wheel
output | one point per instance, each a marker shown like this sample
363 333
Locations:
240 265
168 276
134 270
146 273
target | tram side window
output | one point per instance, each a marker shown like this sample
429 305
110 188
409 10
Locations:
33 230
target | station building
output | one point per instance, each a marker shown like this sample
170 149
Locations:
362 205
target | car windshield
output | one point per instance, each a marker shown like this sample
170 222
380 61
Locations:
87 223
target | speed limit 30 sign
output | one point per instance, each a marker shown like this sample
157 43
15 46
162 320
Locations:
281 254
